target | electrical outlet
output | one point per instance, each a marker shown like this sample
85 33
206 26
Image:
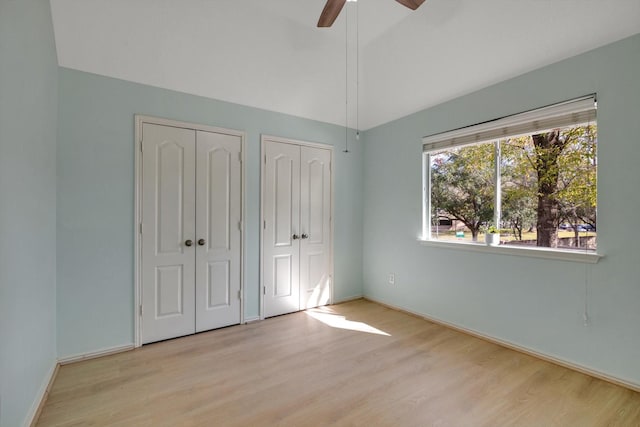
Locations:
392 279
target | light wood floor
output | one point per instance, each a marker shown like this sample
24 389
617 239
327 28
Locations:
296 370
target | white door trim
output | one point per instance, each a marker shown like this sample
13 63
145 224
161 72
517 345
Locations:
263 139
139 121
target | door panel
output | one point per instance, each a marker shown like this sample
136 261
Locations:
282 276
314 200
170 181
281 215
219 201
315 227
169 291
168 213
218 285
218 217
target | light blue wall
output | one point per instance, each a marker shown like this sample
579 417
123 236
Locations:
28 121
534 303
96 199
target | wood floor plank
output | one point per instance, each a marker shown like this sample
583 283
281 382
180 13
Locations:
353 364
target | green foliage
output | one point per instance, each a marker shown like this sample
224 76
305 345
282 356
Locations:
462 185
578 164
519 181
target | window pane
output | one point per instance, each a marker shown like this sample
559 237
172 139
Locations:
462 182
549 189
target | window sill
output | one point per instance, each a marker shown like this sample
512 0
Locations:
556 254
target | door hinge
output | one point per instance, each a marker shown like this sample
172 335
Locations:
141 310
141 144
240 225
264 290
264 224
239 294
265 159
140 228
240 156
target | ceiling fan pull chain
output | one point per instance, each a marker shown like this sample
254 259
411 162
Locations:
346 82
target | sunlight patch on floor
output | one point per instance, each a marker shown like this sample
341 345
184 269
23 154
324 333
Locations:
341 322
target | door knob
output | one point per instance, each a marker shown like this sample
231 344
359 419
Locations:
296 237
305 236
201 242
188 243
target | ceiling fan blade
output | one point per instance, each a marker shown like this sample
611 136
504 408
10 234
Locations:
330 12
411 4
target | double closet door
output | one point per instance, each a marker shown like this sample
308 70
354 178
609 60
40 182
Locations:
191 231
296 236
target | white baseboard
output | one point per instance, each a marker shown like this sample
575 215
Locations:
92 355
347 299
36 407
504 343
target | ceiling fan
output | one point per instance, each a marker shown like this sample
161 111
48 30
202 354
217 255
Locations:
333 7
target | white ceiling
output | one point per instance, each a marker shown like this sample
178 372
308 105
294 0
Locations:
269 53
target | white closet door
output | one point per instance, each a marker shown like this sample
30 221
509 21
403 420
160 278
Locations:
168 239
281 215
218 216
315 227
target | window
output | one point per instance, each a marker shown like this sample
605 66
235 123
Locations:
531 178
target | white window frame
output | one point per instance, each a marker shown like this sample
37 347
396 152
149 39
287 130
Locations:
564 114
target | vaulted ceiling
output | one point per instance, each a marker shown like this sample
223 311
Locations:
269 53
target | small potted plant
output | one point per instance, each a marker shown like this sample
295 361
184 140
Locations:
492 236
